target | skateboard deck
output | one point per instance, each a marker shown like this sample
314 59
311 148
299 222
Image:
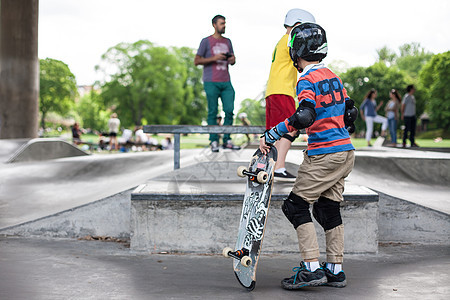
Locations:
253 216
379 141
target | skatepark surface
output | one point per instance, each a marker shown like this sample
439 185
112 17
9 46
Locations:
42 268
72 269
397 173
32 190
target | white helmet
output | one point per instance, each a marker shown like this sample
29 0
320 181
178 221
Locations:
297 15
242 115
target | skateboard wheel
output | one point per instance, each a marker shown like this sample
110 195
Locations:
262 177
226 250
240 171
246 261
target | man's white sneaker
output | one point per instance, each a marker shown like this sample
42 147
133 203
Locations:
214 146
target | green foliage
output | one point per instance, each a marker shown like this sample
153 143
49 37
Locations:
193 102
256 112
359 80
391 71
386 55
412 59
153 85
57 88
435 77
90 110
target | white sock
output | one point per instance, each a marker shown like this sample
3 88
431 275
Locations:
334 268
280 170
312 265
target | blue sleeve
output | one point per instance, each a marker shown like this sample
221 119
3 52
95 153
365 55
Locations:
231 47
202 48
305 92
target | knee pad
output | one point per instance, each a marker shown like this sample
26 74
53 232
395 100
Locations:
296 210
327 213
290 137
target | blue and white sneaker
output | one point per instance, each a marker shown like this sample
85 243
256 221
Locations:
334 280
304 277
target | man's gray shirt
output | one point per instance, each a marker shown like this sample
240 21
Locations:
410 105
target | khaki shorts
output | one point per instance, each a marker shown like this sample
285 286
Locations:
323 175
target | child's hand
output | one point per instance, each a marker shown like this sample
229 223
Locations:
263 146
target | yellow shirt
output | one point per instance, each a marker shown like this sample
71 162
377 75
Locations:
283 75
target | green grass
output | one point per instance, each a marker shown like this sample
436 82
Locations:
432 144
427 143
91 138
202 140
193 141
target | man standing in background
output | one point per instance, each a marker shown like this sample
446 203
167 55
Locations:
215 53
280 92
113 126
409 115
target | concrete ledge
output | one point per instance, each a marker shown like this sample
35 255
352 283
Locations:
106 217
183 212
423 170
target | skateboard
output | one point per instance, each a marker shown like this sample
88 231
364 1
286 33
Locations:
379 141
253 217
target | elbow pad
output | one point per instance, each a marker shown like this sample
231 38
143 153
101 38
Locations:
304 116
350 115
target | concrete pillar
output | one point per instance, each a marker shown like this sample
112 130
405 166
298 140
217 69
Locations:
19 68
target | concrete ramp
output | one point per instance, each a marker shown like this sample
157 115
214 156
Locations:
407 222
431 170
421 177
31 191
106 217
45 149
10 146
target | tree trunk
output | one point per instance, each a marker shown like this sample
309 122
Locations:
19 69
43 121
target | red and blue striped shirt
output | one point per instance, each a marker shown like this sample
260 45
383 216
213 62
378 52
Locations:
324 89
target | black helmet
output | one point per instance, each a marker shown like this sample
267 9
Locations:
307 41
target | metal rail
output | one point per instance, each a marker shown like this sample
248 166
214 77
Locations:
177 130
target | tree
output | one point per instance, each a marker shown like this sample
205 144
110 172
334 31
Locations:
412 59
193 99
359 80
435 77
58 88
386 55
91 110
151 84
256 112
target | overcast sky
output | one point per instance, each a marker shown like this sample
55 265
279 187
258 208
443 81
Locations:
78 32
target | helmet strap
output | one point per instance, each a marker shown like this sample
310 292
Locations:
298 67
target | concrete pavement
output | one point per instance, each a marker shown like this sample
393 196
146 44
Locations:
72 269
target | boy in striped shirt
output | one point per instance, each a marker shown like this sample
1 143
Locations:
328 114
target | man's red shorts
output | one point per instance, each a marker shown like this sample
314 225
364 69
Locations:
278 108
